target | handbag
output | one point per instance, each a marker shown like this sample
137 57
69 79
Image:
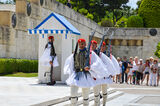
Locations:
127 70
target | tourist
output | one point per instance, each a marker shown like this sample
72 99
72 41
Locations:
153 74
146 71
130 66
118 77
69 4
158 74
135 69
140 72
124 68
151 60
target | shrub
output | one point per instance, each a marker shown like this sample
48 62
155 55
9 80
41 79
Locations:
90 16
106 23
157 53
135 21
83 11
150 12
9 66
122 22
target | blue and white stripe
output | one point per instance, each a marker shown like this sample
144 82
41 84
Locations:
47 31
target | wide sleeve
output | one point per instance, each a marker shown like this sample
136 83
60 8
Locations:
97 67
55 62
108 63
69 65
116 64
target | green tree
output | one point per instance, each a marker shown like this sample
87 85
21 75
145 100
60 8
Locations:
122 22
90 16
128 11
83 11
135 21
92 6
150 12
139 3
114 6
157 53
106 23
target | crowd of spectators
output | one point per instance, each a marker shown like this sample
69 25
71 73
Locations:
135 71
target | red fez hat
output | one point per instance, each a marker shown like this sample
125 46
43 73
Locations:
81 40
50 37
93 41
104 43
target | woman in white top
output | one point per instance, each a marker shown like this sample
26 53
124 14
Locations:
135 69
130 66
118 76
146 71
158 74
153 74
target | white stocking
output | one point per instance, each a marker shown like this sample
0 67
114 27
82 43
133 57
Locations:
85 94
96 90
74 95
104 92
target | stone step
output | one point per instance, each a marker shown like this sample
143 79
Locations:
110 97
58 100
65 100
80 99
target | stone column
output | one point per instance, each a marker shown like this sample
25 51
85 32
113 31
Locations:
131 42
21 13
116 42
5 18
37 2
21 6
124 42
139 43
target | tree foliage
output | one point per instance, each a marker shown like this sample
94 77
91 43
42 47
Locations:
122 22
114 6
139 3
150 12
96 9
90 16
157 53
90 8
106 23
135 21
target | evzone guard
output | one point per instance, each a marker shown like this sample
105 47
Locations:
49 60
80 75
113 59
101 83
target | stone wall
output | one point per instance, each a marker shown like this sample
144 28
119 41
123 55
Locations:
133 42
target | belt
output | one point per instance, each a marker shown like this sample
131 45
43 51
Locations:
80 70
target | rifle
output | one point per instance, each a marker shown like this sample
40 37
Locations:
88 48
79 74
51 70
109 48
99 48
